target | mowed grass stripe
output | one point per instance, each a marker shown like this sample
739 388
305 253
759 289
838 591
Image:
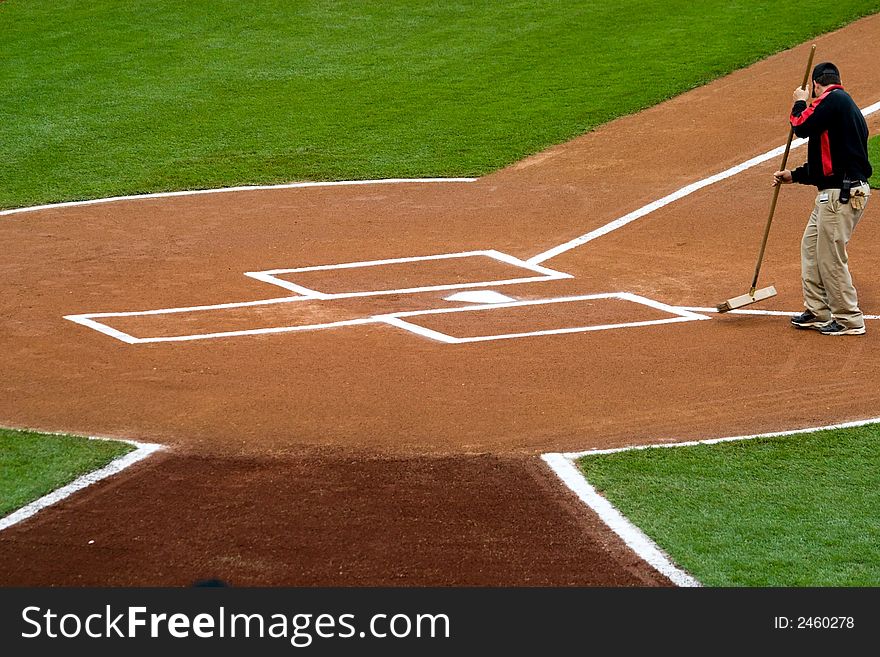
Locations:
800 510
106 98
34 464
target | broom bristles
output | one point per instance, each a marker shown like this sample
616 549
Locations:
746 299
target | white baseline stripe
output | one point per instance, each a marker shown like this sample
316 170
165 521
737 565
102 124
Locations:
495 306
669 198
674 310
262 331
103 328
584 329
728 439
754 312
187 309
420 330
269 275
525 264
680 315
386 261
634 537
328 296
305 292
564 467
243 188
142 451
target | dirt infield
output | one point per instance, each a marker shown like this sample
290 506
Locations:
374 454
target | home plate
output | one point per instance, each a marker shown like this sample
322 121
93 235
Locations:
479 296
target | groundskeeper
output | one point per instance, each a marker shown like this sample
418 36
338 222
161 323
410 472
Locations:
837 164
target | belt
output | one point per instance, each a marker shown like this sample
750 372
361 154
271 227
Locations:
852 185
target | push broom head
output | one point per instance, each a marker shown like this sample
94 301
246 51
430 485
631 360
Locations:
746 299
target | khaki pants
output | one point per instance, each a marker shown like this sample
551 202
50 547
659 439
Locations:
828 286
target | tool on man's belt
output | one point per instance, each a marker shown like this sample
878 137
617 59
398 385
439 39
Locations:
859 198
767 292
844 191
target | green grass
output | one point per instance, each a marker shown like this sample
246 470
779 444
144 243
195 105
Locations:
105 98
874 156
34 464
799 510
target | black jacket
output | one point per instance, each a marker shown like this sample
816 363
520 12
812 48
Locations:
838 140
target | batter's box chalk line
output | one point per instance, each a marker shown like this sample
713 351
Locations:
678 315
527 273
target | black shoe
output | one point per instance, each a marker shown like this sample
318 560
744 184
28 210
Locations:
833 328
807 320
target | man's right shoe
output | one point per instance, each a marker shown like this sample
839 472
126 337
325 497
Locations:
807 320
834 328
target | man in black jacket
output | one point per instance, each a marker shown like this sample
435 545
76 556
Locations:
837 164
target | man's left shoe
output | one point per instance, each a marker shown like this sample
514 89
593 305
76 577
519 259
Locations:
833 328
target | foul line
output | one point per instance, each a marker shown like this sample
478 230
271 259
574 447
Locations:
241 188
779 313
563 465
142 451
674 196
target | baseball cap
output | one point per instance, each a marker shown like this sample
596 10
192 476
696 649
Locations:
823 68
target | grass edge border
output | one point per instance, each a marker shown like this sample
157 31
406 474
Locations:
141 451
563 466
238 188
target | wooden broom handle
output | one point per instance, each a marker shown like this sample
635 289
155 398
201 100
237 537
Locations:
776 187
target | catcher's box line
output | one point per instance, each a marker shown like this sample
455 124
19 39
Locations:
142 451
563 465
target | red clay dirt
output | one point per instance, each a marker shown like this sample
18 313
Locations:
369 455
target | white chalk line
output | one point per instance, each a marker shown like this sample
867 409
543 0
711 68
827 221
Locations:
141 451
323 296
563 464
623 296
263 331
634 537
270 276
419 330
306 294
674 196
241 188
787 313
531 334
186 309
395 319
